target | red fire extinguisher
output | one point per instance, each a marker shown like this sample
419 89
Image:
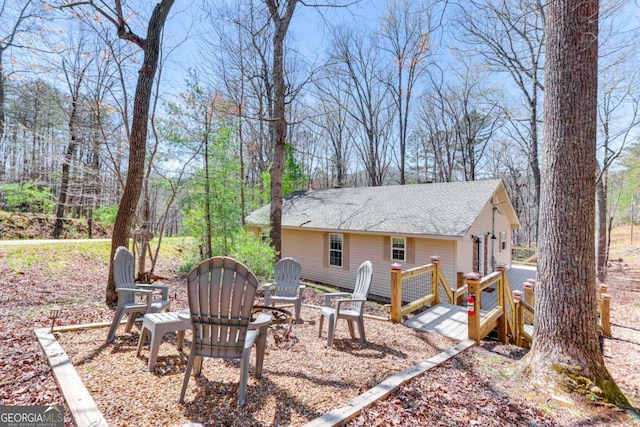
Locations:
470 305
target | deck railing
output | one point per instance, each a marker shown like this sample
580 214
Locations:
523 255
512 316
432 285
525 309
501 317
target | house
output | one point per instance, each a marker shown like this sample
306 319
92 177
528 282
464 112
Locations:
331 232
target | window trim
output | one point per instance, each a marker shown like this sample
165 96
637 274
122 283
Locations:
404 249
341 250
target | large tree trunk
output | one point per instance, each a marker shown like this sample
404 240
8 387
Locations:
278 123
138 138
566 349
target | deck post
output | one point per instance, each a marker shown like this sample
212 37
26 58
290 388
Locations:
435 276
517 316
529 298
502 321
473 316
605 310
603 288
396 293
604 315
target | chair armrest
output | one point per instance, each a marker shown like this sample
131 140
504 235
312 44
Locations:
342 301
267 286
138 291
264 319
163 288
328 296
135 290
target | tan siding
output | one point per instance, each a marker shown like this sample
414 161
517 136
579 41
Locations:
307 247
481 226
464 256
503 224
445 249
255 230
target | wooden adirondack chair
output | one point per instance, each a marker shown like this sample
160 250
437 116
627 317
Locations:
348 306
123 273
221 294
286 288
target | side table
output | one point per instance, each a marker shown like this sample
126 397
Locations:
158 324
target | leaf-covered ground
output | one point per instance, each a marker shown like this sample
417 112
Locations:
478 387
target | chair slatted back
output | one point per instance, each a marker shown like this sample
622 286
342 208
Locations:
123 272
221 295
363 283
287 273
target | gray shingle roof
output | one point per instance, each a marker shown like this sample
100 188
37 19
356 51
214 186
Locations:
446 209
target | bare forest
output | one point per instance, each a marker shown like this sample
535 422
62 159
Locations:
276 97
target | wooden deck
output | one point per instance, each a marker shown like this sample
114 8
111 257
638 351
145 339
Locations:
451 320
444 319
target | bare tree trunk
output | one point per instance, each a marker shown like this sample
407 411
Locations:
74 83
139 127
601 229
278 123
2 113
565 341
208 196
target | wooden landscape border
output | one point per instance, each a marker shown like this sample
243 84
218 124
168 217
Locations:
85 412
352 409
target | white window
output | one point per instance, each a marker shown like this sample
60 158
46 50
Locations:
335 250
398 249
503 240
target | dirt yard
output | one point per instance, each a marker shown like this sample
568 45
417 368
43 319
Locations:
302 379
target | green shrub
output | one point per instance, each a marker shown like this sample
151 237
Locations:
106 214
256 254
243 246
27 198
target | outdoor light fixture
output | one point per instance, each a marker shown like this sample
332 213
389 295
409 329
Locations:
54 312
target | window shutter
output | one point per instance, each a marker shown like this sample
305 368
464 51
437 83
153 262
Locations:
325 250
345 252
386 248
411 250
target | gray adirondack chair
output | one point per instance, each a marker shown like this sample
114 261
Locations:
286 287
348 306
128 290
221 294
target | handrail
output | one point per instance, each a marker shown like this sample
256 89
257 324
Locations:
510 311
525 312
438 283
480 324
521 336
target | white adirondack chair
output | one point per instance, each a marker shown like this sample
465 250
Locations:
286 287
348 306
123 274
